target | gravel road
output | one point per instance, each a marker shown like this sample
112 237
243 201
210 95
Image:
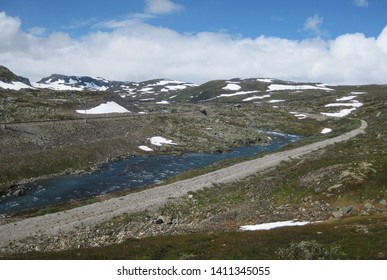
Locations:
97 213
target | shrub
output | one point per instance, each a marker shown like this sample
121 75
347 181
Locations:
309 250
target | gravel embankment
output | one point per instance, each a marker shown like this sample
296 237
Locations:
97 213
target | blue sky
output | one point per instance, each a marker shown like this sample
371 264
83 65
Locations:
225 38
251 18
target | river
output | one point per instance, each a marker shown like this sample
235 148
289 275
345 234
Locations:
125 174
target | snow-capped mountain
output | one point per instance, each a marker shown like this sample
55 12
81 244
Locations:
245 90
164 91
8 80
63 82
152 88
124 89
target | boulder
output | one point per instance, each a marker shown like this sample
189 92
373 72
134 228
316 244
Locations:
368 206
19 192
342 212
203 111
159 221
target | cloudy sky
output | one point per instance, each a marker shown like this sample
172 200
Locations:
336 42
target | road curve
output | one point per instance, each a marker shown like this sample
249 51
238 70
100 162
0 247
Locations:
94 214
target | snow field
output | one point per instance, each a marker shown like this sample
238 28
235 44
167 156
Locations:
14 85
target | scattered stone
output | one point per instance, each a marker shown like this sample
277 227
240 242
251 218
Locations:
334 187
159 221
341 212
368 206
19 192
361 229
383 202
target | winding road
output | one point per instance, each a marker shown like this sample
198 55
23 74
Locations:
94 214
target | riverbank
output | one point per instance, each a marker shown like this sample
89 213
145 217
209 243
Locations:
126 174
54 225
39 150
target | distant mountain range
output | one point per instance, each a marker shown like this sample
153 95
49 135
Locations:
254 89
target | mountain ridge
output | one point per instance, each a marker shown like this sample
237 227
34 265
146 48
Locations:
8 77
167 90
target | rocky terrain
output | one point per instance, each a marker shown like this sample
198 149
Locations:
98 213
42 134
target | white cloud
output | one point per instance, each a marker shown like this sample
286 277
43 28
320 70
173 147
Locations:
313 25
38 31
129 20
10 35
361 3
161 7
140 51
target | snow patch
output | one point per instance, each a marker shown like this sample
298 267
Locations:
326 131
275 87
14 85
265 80
105 108
56 86
256 97
276 100
268 226
353 103
340 114
238 93
299 115
344 112
145 148
166 82
346 98
158 141
178 87
164 102
232 87
146 89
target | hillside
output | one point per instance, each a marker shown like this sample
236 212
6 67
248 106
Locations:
49 130
8 80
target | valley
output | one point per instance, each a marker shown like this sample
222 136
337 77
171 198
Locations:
72 125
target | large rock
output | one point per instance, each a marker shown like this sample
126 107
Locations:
341 212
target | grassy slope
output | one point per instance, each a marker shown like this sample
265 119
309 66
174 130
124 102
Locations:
360 236
242 245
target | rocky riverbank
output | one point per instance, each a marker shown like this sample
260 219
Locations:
40 150
99 217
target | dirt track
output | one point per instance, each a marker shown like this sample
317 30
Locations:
97 213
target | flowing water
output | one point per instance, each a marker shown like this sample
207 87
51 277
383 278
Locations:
124 174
